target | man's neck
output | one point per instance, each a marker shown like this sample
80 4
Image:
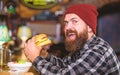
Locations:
90 35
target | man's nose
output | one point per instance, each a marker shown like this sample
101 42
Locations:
69 25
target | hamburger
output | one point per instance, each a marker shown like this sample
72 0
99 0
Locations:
42 40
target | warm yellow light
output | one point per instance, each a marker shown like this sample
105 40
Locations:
24 32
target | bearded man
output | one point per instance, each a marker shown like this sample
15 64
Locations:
89 54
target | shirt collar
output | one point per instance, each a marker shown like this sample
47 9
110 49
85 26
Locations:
90 41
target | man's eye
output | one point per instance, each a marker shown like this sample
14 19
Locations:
65 23
74 21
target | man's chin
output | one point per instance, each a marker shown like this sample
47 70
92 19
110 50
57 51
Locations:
70 39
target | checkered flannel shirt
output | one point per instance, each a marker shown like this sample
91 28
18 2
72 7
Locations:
95 58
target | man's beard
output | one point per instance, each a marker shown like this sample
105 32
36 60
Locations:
74 45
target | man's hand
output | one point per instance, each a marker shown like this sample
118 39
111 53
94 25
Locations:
31 50
44 52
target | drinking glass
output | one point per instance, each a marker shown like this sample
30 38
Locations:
5 57
1 59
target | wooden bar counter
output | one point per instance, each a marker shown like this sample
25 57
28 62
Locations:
7 73
30 72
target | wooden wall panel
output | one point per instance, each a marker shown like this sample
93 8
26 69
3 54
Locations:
98 3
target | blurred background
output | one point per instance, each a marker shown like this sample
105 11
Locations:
22 19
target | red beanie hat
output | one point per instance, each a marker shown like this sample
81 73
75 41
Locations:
88 13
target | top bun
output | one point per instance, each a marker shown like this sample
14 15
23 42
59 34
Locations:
42 40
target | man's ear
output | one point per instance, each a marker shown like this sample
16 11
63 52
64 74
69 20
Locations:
89 29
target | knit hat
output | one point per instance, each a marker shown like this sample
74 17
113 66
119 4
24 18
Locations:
88 13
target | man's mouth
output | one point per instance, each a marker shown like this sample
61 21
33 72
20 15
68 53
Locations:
71 36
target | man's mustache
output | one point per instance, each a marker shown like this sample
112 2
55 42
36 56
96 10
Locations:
70 31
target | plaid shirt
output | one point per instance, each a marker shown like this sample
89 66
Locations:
95 58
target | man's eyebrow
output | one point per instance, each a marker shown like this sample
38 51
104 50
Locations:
73 18
70 19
